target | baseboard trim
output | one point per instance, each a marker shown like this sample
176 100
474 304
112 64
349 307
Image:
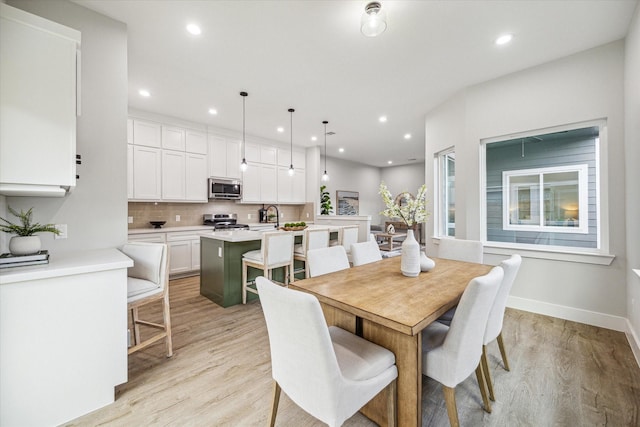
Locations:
579 315
634 342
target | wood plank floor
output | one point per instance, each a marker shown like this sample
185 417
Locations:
562 374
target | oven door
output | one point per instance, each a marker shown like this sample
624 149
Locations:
224 189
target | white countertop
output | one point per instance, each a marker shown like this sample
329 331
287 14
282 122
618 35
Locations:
248 235
191 228
67 265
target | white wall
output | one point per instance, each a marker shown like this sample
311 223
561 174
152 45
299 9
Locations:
581 87
632 158
96 211
350 176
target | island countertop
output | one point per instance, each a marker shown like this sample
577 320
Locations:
235 236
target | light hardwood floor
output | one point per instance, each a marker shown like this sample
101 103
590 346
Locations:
562 374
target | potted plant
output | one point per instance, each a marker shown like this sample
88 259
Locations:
25 242
325 201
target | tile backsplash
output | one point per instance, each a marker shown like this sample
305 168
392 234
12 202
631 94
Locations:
191 213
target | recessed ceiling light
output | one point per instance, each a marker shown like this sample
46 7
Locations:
280 129
194 29
314 138
213 111
144 92
504 39
341 150
389 162
383 119
407 136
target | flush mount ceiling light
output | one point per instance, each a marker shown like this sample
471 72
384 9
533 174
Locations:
382 119
144 92
213 111
374 20
314 138
194 29
341 150
390 162
407 136
291 169
280 129
504 39
243 164
325 175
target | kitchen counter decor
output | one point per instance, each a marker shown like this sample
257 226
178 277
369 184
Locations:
294 226
25 242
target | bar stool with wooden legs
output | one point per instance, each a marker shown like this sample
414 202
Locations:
314 238
276 251
347 236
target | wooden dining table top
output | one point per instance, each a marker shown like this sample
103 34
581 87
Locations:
380 292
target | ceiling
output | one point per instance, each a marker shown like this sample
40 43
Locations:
310 55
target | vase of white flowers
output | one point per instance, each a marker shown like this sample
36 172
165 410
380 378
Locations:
410 210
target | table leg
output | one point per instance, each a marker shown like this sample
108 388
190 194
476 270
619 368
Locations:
408 352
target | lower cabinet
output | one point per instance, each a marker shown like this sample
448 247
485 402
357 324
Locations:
184 251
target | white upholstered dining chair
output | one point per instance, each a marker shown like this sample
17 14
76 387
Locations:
451 353
276 251
327 260
148 282
365 252
328 372
493 331
313 238
347 236
460 250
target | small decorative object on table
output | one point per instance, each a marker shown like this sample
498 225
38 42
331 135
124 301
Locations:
411 210
294 226
26 242
426 263
391 229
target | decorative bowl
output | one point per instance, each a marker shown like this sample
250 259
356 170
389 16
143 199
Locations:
293 228
157 224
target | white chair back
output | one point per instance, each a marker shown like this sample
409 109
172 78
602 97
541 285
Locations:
327 260
461 250
349 236
316 238
277 248
496 315
459 354
149 274
365 252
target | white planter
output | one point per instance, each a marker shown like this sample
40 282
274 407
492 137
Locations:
410 263
24 245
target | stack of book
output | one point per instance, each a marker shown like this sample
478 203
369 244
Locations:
10 260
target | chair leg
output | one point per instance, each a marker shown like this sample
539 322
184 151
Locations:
244 282
487 372
483 390
136 326
290 270
450 400
274 403
166 313
503 352
391 403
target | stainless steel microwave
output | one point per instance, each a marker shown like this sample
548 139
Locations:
224 188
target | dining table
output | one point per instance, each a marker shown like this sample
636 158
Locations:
377 302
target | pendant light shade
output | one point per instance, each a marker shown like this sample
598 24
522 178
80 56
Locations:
243 164
374 20
325 175
292 171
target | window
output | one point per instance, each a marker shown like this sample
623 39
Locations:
446 179
542 189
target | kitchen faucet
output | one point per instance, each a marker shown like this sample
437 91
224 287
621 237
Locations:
277 215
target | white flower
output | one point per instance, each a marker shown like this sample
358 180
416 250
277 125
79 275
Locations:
411 211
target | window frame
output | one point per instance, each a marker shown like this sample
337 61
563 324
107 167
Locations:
599 255
441 216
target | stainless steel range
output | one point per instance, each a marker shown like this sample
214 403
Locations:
223 222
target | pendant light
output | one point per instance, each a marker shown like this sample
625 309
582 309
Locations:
325 175
291 169
243 164
374 20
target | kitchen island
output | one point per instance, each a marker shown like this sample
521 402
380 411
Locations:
221 263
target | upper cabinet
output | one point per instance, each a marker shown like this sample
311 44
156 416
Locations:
39 92
148 134
173 138
196 142
224 157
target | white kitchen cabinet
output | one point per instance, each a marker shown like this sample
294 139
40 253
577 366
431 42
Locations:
259 183
195 254
259 153
129 131
285 158
196 178
129 171
224 157
39 93
173 138
148 237
147 175
147 133
184 251
173 175
291 189
196 142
